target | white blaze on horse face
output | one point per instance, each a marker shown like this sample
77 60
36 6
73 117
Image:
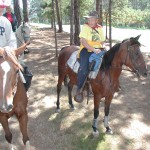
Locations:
7 83
6 68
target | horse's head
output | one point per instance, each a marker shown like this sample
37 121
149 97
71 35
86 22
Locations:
8 80
134 58
23 33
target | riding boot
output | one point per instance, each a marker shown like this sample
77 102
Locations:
79 96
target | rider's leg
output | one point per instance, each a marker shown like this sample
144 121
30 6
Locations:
82 73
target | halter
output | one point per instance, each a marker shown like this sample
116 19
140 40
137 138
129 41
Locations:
23 33
133 57
25 37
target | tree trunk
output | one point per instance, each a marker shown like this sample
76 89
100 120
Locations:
17 12
54 28
76 22
58 17
98 6
25 11
98 10
52 22
110 38
101 12
72 23
106 26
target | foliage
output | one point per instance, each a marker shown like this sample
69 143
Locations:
35 11
128 13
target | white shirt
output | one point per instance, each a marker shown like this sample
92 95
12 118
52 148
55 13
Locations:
7 36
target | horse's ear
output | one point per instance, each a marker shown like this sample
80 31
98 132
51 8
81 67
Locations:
137 38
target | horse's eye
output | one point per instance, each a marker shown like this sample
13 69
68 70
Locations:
136 53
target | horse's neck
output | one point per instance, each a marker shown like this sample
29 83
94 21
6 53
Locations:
116 67
19 38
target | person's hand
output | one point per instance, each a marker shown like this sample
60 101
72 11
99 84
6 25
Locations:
96 50
10 55
2 51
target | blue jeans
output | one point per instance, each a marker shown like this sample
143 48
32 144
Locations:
84 67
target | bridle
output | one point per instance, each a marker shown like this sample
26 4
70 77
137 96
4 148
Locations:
25 37
133 55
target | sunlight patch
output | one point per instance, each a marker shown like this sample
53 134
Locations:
136 129
49 101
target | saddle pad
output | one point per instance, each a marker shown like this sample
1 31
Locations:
73 62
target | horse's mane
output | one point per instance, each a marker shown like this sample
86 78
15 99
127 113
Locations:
108 57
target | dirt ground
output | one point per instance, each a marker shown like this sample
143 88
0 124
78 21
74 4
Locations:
70 130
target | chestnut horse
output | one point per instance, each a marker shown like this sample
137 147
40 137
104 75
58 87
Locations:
107 81
12 90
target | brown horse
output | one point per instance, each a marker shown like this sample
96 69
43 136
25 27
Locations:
107 81
12 90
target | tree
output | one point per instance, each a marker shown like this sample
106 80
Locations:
35 12
110 38
59 19
53 10
76 22
72 23
17 11
25 11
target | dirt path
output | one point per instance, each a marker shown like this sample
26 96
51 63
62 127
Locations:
129 115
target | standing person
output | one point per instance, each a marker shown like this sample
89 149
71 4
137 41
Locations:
91 38
7 37
11 17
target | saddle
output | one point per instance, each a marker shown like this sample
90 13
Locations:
28 78
95 60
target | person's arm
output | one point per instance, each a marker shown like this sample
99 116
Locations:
87 46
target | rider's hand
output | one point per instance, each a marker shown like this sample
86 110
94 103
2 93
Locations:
2 51
96 50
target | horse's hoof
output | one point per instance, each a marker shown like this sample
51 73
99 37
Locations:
96 134
11 147
57 110
27 145
109 131
72 108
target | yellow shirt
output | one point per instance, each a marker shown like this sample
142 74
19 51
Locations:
94 38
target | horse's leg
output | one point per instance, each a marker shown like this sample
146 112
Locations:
106 118
70 87
96 114
20 103
23 120
88 91
59 86
66 81
8 134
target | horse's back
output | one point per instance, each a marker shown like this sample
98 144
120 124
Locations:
64 55
67 51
